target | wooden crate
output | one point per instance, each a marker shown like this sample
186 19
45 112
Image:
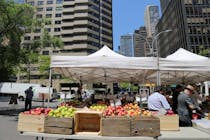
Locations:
56 125
169 122
31 123
145 126
87 122
115 126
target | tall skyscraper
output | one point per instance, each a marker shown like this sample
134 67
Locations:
83 25
126 45
140 42
189 21
151 17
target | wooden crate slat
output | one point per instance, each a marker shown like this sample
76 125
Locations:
58 130
29 127
115 126
59 122
87 121
169 122
145 126
35 119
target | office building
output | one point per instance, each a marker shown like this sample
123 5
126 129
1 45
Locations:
83 25
189 21
164 4
19 1
151 17
126 45
140 42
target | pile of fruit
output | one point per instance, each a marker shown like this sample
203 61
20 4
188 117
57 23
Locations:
98 107
63 111
38 111
73 103
130 110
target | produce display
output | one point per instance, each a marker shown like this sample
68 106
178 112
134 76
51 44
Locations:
63 111
73 103
38 111
98 107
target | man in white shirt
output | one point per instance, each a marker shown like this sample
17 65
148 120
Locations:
157 101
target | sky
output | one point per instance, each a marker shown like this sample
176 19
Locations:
128 15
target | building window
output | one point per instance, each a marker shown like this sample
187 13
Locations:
49 9
57 22
39 9
37 30
31 3
49 2
58 15
55 51
27 38
57 29
40 2
59 8
59 1
48 29
38 16
45 52
36 37
48 15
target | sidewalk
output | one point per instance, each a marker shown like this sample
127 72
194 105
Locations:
5 106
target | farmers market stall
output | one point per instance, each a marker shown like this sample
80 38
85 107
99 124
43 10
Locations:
104 66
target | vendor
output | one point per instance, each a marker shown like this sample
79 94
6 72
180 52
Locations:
157 101
185 106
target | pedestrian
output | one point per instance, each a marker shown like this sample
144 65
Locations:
185 106
28 100
175 95
157 101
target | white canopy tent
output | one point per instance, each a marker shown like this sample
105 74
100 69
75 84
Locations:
108 66
104 66
184 67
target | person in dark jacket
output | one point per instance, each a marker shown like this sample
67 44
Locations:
185 106
176 93
28 101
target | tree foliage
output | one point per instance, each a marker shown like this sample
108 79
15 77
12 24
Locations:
14 18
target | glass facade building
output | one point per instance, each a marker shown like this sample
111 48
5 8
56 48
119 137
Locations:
151 17
126 45
189 21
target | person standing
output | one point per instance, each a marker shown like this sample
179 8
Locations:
28 101
157 101
185 106
176 93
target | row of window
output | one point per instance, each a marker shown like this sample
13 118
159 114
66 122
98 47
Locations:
38 16
41 9
48 2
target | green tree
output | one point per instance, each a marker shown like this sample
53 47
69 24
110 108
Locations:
203 51
14 18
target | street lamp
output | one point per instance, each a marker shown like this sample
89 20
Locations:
155 38
146 40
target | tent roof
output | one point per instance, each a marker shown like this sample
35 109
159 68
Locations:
182 54
105 52
104 65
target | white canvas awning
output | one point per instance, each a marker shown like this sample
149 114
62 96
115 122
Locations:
104 66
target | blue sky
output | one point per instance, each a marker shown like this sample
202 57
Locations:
128 15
